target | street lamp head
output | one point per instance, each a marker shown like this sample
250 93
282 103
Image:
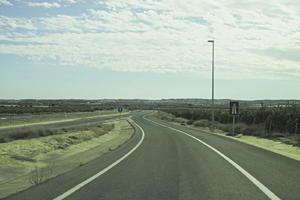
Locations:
211 41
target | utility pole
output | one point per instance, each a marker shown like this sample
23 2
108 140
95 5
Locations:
212 82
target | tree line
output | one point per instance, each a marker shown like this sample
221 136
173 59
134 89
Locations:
50 109
284 120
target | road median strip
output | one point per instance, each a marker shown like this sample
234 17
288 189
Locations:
58 120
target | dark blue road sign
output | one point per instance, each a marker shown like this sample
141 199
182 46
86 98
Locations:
234 108
120 109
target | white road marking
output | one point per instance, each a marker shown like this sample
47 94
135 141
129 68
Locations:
87 181
258 184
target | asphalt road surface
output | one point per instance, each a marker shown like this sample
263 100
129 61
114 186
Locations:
168 162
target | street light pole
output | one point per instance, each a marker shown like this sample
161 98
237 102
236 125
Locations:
212 81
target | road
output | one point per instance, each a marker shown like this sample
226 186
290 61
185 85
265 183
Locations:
23 118
164 161
86 121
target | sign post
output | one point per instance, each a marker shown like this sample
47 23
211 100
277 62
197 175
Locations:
234 111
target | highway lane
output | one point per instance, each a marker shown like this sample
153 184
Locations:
279 173
171 165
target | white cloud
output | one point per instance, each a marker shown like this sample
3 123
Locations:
68 1
44 4
5 2
10 24
167 36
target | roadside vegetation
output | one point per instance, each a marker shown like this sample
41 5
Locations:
34 159
282 123
22 109
14 120
30 133
263 122
283 143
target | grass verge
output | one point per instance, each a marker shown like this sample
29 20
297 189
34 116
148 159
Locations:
29 162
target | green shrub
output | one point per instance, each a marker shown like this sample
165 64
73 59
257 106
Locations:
180 120
262 121
29 133
190 122
166 116
224 127
240 127
202 123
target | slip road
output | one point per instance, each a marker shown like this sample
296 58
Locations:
164 161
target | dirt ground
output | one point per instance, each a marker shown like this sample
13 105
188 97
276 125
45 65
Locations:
24 163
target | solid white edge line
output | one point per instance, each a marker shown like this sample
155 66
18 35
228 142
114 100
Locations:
80 185
258 184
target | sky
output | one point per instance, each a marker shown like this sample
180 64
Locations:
149 49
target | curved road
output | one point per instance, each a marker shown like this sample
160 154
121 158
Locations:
174 162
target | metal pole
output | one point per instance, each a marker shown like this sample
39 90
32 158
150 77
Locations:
233 125
213 83
212 79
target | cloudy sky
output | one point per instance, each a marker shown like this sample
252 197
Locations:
149 48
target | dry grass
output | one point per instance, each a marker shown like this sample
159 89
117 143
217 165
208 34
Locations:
27 162
39 175
26 133
29 133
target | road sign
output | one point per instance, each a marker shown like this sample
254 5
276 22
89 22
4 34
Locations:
233 111
234 108
120 109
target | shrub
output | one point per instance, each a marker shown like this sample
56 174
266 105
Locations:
190 122
224 127
180 120
262 121
26 134
240 127
166 116
29 133
202 123
22 158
